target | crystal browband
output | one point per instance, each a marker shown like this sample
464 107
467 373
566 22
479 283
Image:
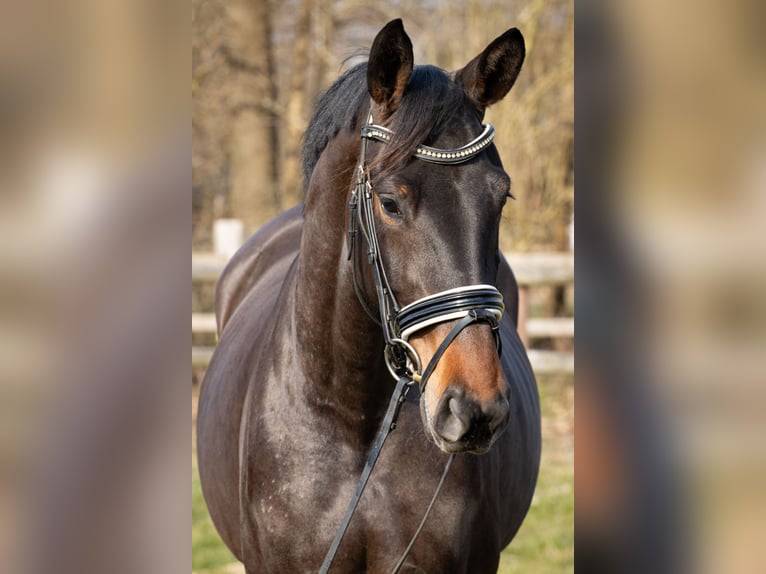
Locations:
432 154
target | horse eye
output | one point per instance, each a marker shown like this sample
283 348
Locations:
390 206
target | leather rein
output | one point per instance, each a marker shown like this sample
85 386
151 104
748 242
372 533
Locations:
468 304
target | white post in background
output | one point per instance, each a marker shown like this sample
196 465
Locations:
228 236
571 234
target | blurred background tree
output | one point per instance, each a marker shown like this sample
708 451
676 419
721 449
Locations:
258 66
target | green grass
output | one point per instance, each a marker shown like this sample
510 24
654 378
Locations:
545 543
208 551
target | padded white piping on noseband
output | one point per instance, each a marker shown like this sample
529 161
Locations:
440 319
447 317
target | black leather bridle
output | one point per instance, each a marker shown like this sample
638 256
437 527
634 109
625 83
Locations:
484 302
466 305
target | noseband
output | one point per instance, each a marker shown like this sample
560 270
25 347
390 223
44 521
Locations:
470 304
467 305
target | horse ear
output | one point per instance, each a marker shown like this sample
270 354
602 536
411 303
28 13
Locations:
390 65
490 75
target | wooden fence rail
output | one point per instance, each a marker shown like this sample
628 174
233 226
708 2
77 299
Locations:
531 270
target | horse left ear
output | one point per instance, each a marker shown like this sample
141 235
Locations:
490 75
390 65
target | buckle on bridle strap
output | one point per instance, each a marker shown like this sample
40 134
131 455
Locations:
403 360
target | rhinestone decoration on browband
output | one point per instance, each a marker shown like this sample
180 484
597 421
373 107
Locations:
432 154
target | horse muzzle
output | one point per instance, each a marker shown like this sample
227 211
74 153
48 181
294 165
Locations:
462 424
464 405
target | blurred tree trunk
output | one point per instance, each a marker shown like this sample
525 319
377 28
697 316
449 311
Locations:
253 192
320 74
295 118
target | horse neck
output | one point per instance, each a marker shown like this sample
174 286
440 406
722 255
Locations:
339 346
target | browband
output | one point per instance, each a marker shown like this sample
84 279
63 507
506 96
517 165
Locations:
432 154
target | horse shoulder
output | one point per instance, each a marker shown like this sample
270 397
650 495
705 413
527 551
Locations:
276 242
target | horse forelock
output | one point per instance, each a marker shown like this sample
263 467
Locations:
431 101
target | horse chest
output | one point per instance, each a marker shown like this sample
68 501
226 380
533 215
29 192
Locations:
296 524
301 492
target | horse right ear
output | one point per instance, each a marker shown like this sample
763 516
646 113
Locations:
489 76
390 66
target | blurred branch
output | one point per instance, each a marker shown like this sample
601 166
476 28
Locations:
312 40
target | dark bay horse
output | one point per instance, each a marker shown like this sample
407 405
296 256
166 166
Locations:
299 383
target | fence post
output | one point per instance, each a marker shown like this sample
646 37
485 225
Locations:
522 323
228 236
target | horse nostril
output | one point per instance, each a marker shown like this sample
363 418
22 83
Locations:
497 412
456 416
463 419
455 424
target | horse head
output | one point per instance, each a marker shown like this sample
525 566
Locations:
437 222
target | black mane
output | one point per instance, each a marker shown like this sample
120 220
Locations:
337 109
430 101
